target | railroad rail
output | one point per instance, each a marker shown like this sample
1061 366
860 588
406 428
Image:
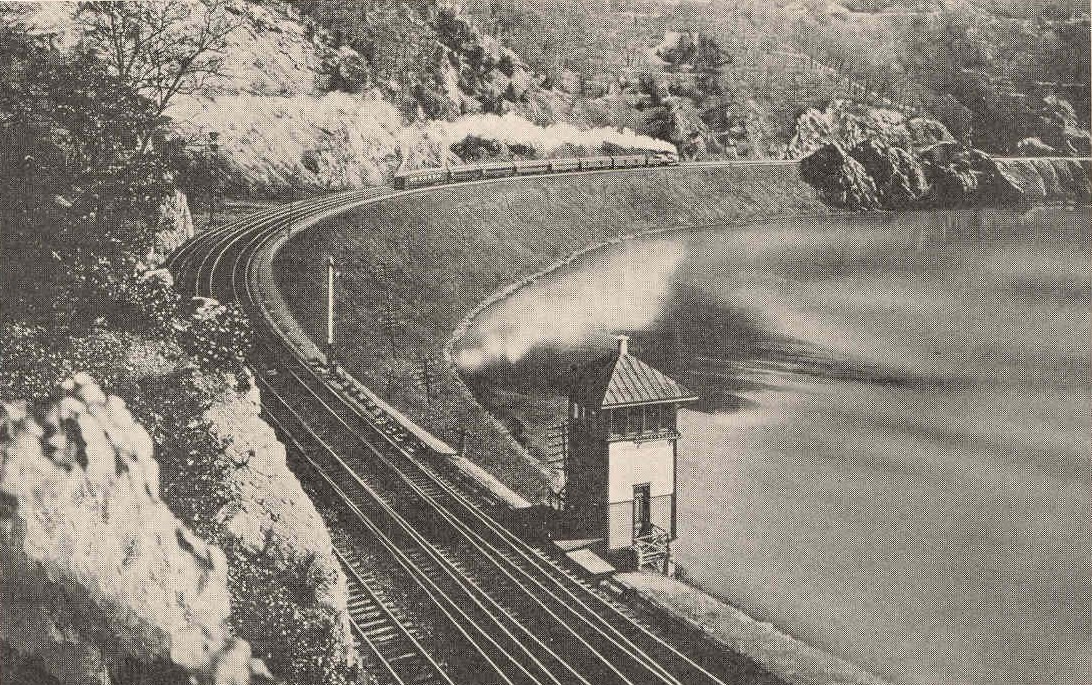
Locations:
440 592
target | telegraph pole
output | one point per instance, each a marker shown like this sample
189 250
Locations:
330 304
213 147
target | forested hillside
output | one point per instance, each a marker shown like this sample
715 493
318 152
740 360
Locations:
736 74
429 60
90 203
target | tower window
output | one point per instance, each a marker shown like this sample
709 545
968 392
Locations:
618 421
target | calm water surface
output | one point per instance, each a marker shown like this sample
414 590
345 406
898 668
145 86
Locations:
891 459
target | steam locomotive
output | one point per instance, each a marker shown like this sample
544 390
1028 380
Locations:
404 180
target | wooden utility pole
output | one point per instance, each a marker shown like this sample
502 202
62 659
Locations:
330 303
426 376
213 147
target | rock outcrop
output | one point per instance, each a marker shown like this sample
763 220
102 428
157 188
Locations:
175 227
271 515
849 125
961 176
868 158
1049 180
101 583
841 180
898 176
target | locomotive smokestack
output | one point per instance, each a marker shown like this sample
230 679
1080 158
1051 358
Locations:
623 345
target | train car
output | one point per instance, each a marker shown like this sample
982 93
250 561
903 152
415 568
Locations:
498 169
418 178
466 172
629 161
564 164
589 163
404 180
532 166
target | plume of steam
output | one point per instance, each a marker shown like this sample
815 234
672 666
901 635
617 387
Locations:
512 128
625 290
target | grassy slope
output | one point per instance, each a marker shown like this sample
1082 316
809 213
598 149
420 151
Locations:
446 250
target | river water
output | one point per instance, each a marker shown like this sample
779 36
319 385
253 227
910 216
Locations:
892 459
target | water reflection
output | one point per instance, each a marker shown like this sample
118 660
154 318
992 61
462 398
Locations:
892 454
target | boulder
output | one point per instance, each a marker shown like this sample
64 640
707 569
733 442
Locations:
840 180
1082 184
899 178
175 226
959 175
1047 180
99 577
1051 182
270 514
1033 147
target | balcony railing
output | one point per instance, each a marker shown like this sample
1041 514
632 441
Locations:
651 547
643 435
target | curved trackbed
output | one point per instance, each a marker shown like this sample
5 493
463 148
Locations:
441 592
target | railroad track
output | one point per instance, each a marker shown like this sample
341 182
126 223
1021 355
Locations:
440 592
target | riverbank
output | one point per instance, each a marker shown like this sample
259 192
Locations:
776 651
413 267
891 405
512 233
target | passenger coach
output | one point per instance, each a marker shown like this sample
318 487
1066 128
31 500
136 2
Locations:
405 180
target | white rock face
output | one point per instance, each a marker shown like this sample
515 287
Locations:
175 227
332 141
271 514
97 571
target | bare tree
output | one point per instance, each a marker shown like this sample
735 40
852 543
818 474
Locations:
162 48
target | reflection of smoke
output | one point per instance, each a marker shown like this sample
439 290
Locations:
625 290
512 128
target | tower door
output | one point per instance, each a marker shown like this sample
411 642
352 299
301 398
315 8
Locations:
642 509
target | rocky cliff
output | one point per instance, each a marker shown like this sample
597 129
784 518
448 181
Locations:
869 158
101 582
223 475
1054 179
297 108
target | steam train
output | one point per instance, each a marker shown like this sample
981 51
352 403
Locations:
404 180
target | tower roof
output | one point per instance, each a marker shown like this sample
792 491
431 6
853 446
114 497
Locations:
619 379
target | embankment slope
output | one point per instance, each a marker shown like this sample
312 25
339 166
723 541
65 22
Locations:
413 266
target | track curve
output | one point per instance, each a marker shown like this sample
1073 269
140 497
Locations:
440 591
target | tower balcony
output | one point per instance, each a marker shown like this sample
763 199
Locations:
644 435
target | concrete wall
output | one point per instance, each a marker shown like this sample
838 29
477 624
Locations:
631 464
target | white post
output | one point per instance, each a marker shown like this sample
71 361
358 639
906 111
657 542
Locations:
330 303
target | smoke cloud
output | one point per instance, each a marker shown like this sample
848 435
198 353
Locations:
512 128
624 290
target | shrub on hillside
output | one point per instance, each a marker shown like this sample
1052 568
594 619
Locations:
298 639
217 337
475 148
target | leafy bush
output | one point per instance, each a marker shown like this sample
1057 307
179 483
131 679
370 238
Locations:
218 338
298 644
476 148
